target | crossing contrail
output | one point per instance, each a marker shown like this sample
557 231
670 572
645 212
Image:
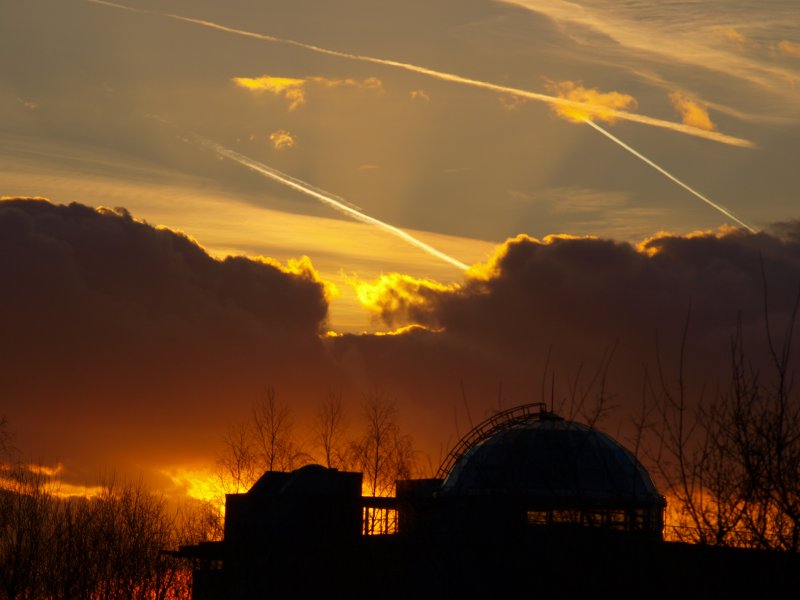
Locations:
342 206
664 172
326 198
453 78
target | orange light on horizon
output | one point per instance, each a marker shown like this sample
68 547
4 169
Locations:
199 484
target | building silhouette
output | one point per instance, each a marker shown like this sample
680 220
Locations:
526 499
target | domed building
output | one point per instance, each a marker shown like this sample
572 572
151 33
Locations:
525 501
529 467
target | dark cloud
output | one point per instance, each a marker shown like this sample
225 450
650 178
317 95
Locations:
123 341
583 300
586 289
117 335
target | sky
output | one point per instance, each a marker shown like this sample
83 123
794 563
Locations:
516 189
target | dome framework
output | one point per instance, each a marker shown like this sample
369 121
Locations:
529 465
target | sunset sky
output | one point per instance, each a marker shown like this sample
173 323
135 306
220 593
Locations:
354 156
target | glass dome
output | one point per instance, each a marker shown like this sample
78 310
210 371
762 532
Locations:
550 457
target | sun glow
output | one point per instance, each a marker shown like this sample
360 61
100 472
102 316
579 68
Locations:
34 478
392 291
198 484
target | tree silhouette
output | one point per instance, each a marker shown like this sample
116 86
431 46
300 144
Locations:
731 462
330 431
265 442
382 452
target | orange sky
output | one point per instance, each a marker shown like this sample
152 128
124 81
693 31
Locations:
128 345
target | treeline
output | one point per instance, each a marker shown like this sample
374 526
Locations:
109 546
730 460
371 441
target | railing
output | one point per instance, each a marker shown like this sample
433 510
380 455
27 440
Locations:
487 428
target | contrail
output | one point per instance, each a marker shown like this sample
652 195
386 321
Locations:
691 190
324 197
453 78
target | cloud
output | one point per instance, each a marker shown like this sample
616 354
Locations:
583 295
693 113
29 104
788 48
421 95
113 327
569 105
282 140
370 83
540 320
510 102
732 34
291 89
294 90
596 264
396 294
604 104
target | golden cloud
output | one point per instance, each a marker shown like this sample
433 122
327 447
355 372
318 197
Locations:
492 266
291 89
29 104
407 330
294 90
199 484
653 244
395 294
304 269
601 105
369 84
281 140
733 35
50 478
693 113
510 102
788 48
419 95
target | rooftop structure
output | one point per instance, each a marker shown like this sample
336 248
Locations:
528 466
521 475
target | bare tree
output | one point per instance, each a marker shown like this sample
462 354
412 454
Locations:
330 430
236 463
265 442
109 546
382 452
272 435
731 463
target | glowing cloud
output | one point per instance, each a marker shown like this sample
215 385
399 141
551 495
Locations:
692 112
29 104
304 269
419 95
200 484
590 103
291 89
733 35
395 294
294 90
589 108
370 83
281 140
788 48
